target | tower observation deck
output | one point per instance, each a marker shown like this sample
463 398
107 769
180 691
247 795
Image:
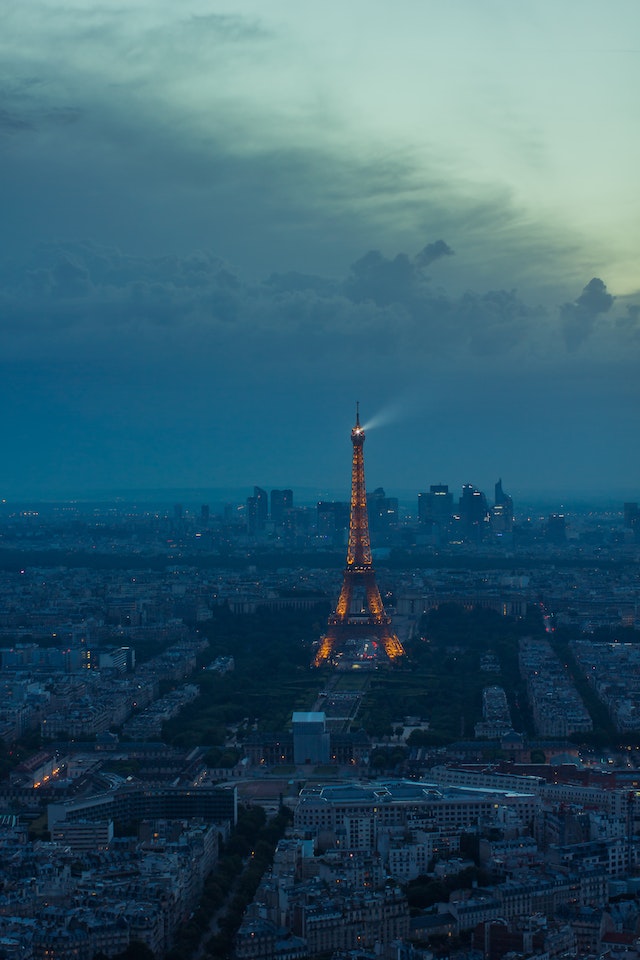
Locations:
359 616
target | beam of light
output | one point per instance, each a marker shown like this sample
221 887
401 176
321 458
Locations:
394 412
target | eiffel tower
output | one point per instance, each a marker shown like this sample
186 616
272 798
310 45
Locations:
359 613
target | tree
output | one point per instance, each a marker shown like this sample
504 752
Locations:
137 950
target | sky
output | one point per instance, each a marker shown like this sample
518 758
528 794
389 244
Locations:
225 223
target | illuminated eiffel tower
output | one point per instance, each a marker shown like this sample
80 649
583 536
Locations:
359 613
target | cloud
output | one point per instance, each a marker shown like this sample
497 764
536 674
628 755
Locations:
174 128
382 280
84 301
432 252
579 318
27 107
594 299
398 280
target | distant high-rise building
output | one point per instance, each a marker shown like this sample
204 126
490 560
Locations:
205 513
281 502
382 511
257 510
502 512
500 497
435 506
332 517
474 513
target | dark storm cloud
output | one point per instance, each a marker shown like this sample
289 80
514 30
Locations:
432 252
158 152
382 280
482 323
579 317
595 299
80 300
139 174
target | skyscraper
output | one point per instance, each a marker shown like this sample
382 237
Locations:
474 513
281 502
382 511
436 506
257 510
502 511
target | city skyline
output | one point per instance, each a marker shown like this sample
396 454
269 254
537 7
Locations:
223 225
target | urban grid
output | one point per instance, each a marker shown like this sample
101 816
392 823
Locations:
221 739
320 481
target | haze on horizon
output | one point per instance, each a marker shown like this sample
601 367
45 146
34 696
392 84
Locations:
226 223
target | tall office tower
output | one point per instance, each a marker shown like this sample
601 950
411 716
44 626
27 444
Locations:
359 615
499 495
473 512
382 511
281 501
257 510
502 511
332 519
436 506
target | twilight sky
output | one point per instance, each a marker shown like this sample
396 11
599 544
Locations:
224 223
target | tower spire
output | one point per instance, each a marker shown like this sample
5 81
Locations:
366 619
